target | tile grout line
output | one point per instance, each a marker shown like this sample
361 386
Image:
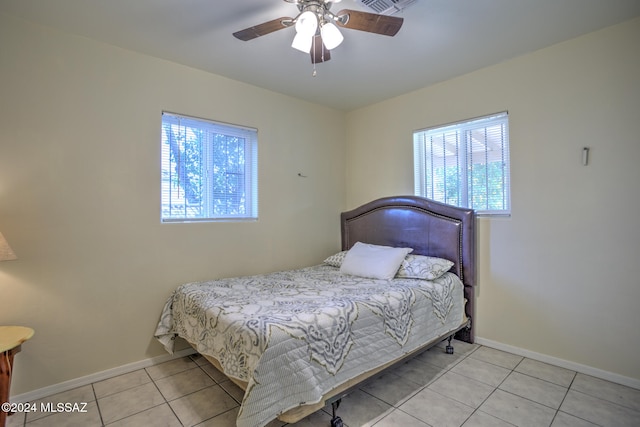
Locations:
575 374
215 383
95 396
443 371
531 400
490 394
447 370
511 371
166 402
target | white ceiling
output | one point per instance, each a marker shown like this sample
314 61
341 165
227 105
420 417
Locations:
440 39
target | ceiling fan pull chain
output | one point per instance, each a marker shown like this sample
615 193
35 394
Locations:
313 49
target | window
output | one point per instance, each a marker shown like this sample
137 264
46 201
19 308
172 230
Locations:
209 170
465 164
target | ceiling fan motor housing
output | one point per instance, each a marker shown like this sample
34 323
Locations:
321 9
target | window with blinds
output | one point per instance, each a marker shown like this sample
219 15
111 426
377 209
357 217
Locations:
465 164
209 170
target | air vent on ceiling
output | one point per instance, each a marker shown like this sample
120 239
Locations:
387 7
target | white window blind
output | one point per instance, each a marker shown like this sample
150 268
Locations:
465 164
209 170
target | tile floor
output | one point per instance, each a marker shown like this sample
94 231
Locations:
477 386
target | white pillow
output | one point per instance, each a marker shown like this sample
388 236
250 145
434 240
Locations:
373 261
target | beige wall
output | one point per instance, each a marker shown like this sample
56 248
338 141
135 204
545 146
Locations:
79 196
79 202
561 276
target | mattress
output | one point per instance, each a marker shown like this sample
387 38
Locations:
293 336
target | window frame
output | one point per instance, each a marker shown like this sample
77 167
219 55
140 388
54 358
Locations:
456 158
170 177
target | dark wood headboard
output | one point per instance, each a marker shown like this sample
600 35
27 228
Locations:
430 228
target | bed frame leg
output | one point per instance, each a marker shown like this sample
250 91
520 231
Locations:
336 421
449 347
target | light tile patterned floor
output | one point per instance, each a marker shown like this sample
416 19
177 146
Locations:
477 386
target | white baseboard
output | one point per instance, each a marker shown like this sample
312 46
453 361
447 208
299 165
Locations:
573 366
98 376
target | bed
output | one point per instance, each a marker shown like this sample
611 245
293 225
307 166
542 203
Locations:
298 340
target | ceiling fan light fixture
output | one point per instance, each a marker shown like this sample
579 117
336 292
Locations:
331 35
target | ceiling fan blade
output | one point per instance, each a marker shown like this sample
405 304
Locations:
319 53
370 22
264 28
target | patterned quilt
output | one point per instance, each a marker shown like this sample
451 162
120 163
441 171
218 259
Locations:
295 335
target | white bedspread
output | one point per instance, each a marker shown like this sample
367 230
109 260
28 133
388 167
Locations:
295 335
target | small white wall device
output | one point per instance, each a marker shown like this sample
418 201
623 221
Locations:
585 156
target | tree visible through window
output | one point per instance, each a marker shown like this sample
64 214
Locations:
209 170
465 164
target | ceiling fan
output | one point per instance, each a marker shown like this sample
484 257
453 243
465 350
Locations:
317 30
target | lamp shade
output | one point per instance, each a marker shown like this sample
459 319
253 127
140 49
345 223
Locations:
306 26
302 42
307 23
331 36
6 254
